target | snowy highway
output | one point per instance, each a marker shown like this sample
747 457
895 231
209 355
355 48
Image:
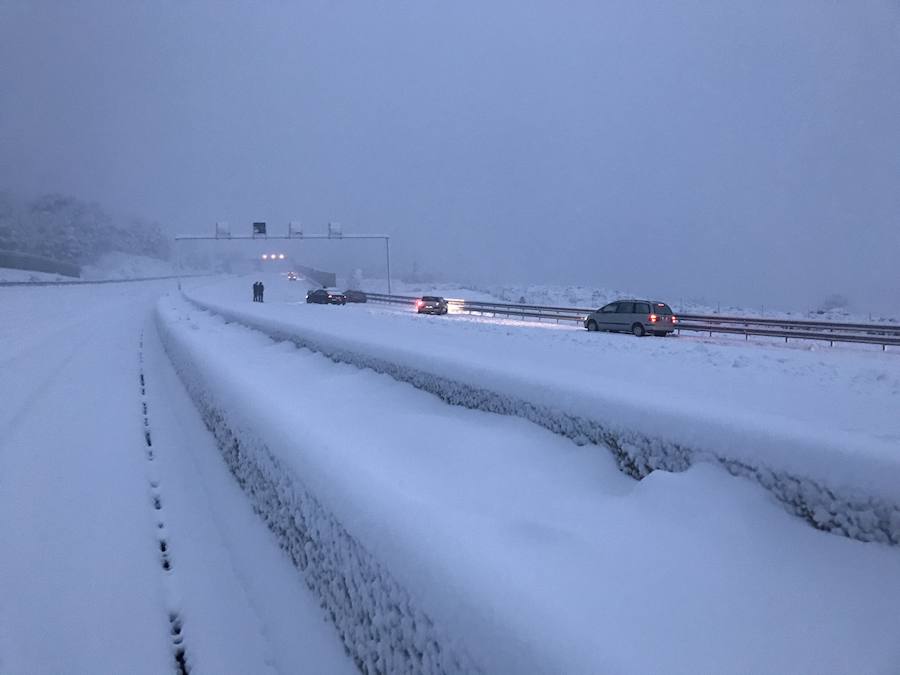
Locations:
180 488
85 511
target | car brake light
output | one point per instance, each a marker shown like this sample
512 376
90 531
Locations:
419 303
674 319
653 318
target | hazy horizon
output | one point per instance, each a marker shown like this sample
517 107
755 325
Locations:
742 153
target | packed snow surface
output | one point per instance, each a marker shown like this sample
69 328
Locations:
528 552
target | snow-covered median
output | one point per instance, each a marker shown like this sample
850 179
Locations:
442 539
836 479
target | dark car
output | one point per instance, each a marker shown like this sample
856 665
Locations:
634 316
356 296
322 296
431 304
292 276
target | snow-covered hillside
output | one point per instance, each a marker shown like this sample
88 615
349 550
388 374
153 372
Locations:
125 266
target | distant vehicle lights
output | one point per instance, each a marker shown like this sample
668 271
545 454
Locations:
272 256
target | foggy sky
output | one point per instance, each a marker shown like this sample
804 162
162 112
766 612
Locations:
729 150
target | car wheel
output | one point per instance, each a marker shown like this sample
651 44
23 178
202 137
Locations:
638 330
592 326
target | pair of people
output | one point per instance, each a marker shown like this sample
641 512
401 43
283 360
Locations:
258 290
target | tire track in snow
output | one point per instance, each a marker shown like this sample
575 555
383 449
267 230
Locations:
176 623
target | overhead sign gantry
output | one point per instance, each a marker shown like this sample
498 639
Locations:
294 231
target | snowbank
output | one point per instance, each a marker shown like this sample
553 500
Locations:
834 480
442 539
381 626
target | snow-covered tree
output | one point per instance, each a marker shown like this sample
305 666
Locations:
71 230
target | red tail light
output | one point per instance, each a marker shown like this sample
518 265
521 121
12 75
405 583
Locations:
674 319
653 318
419 303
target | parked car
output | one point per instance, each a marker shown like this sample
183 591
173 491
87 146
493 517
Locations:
634 316
356 296
292 276
431 304
322 296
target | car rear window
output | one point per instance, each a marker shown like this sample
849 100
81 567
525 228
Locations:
431 298
625 308
661 308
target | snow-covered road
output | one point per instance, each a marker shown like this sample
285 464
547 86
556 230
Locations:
90 522
438 539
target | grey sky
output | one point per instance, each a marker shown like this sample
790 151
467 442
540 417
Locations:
739 151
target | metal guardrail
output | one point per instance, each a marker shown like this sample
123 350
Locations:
797 329
99 281
29 262
872 328
796 334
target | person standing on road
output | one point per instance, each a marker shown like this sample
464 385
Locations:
262 289
255 291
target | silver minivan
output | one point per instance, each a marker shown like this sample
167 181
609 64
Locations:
634 316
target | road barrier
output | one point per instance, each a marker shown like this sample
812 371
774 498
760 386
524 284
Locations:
788 329
18 260
99 281
324 279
